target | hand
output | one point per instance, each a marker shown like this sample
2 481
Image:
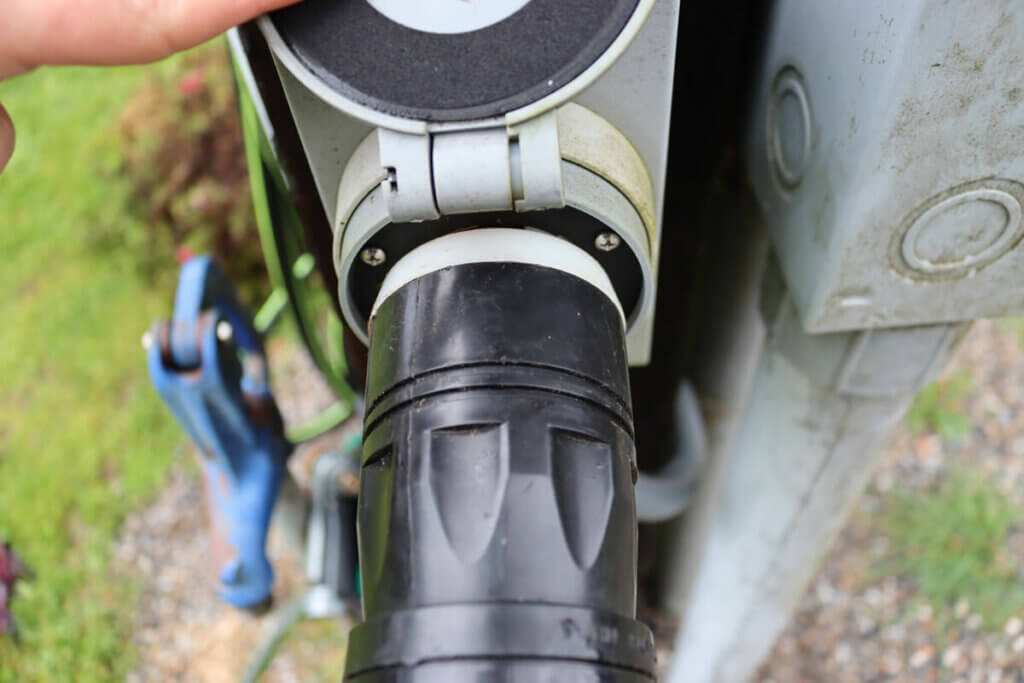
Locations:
37 32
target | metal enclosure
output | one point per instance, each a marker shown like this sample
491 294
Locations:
885 149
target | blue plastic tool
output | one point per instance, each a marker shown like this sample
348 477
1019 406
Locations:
209 366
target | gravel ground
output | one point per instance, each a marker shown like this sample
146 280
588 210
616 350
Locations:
847 628
850 629
183 631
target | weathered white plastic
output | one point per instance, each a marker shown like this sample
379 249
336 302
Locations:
569 157
497 245
887 150
583 190
630 88
536 164
405 162
472 171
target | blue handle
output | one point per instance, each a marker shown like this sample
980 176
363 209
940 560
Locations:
230 416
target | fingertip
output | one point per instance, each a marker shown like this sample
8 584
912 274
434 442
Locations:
267 6
6 138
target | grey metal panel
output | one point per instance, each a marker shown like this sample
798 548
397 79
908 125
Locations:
818 412
886 150
328 137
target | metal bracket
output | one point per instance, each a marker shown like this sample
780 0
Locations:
331 551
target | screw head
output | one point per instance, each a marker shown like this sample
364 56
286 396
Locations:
373 256
224 331
607 241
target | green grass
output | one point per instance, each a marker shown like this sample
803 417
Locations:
83 437
1014 326
952 543
940 407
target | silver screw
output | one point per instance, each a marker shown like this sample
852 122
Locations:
147 340
373 256
607 241
224 331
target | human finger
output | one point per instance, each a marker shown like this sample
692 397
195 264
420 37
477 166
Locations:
36 32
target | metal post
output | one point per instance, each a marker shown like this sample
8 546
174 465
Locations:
819 408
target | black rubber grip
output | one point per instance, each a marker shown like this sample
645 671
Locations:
497 520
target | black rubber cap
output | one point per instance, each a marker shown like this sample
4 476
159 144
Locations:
505 314
498 531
